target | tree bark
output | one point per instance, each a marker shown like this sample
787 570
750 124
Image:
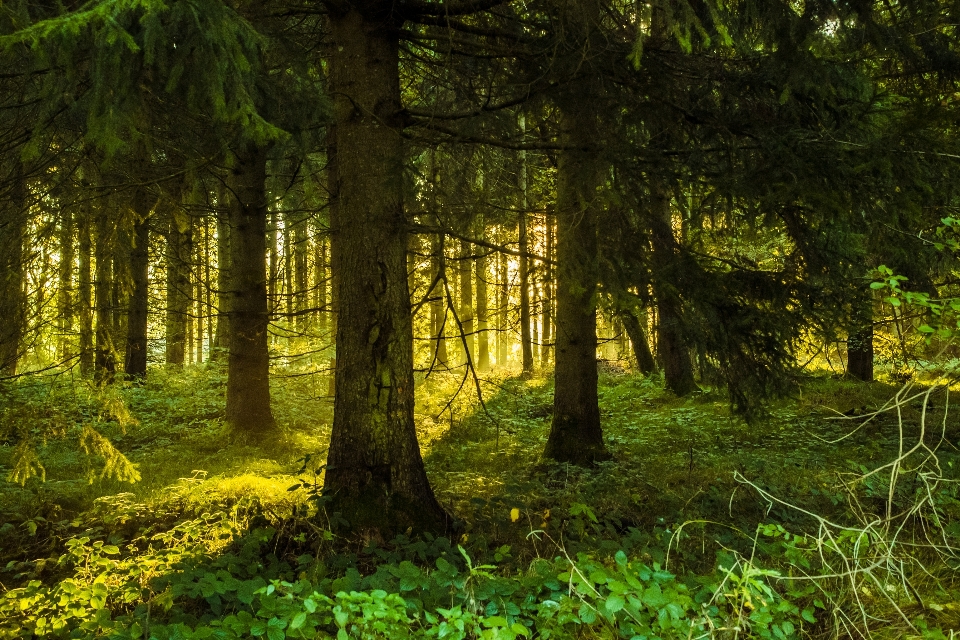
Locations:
374 472
179 245
248 365
547 338
503 303
222 340
65 303
483 337
135 362
575 434
638 339
465 272
860 344
12 294
526 343
673 351
85 295
105 361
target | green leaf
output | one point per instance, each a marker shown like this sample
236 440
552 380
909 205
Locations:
614 603
298 620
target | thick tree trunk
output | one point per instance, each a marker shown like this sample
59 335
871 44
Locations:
105 361
248 364
135 362
638 339
12 294
85 296
575 434
672 347
860 345
179 244
374 469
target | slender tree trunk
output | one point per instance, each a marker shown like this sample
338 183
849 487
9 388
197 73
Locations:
208 290
575 434
333 187
248 365
438 303
288 296
12 295
85 295
222 340
199 287
135 362
526 343
638 338
321 281
300 246
503 302
465 272
374 469
547 338
273 260
65 304
860 344
179 242
483 336
105 361
672 347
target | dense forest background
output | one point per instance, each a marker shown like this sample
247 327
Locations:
479 318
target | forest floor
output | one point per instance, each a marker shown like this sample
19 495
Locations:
700 525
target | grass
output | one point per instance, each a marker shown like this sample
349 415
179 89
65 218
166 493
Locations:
676 489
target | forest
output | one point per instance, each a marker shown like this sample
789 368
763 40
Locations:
479 319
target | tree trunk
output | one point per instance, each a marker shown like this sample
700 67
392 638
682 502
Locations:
105 361
85 295
374 469
135 362
860 344
673 351
638 339
248 364
547 338
222 340
483 338
333 188
575 434
465 272
65 304
438 303
288 297
12 294
503 303
299 270
179 243
198 288
526 344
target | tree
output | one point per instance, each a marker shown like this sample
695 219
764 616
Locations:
374 471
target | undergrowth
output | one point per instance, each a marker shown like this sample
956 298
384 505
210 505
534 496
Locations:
835 516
